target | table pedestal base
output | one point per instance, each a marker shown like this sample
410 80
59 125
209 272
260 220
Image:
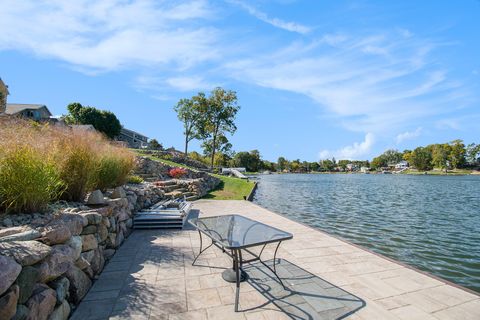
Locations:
230 275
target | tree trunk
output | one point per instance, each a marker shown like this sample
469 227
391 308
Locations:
213 151
186 146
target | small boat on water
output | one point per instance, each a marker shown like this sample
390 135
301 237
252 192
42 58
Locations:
386 172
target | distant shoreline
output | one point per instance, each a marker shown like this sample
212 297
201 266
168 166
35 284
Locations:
408 172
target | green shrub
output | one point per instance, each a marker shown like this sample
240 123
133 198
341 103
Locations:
135 179
77 165
28 181
112 171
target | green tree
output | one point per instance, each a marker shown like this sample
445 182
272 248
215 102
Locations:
327 165
282 163
221 145
343 164
190 112
421 159
218 118
103 121
379 162
457 154
440 155
155 145
392 156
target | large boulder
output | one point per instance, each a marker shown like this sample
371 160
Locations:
102 232
119 192
23 236
98 261
26 282
119 239
90 229
26 253
56 233
108 253
93 217
89 242
13 230
79 284
61 312
9 271
57 263
75 222
61 286
95 198
22 312
8 303
76 244
42 303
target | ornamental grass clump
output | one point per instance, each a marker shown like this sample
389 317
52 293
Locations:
28 181
40 163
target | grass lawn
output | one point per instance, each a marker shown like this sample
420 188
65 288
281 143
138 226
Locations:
230 189
439 172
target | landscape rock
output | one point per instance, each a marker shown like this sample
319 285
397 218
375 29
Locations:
95 198
88 255
119 192
61 286
119 239
89 242
42 303
56 233
75 222
98 261
108 253
23 236
57 263
9 271
13 230
8 303
61 312
7 222
102 232
26 282
90 229
82 263
106 222
76 244
93 217
22 312
26 253
129 223
79 284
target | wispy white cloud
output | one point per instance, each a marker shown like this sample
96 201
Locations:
110 35
351 152
377 83
190 83
408 135
276 22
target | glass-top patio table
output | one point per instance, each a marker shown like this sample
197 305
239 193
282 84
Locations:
234 233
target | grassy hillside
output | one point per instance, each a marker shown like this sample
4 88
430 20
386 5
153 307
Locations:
231 189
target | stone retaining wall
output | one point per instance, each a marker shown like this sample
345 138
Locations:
48 262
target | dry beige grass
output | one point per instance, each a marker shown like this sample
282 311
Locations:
40 163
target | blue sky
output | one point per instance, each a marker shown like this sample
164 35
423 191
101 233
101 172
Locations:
315 79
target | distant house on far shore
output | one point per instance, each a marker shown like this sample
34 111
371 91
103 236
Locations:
36 112
133 139
401 165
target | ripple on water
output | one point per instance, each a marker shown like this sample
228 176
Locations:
430 222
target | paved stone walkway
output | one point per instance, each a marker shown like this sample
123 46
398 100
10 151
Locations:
151 277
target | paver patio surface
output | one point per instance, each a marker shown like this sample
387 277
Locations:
151 277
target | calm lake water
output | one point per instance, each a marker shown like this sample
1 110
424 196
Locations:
430 222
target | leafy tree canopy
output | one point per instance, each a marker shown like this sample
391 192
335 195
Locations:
101 120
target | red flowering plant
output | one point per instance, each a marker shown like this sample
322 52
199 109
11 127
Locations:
177 173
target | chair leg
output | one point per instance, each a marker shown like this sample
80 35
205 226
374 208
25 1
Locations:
237 274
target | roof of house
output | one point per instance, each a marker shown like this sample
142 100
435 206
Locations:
14 108
126 131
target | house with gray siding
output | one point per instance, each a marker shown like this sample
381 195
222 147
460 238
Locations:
36 112
133 139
